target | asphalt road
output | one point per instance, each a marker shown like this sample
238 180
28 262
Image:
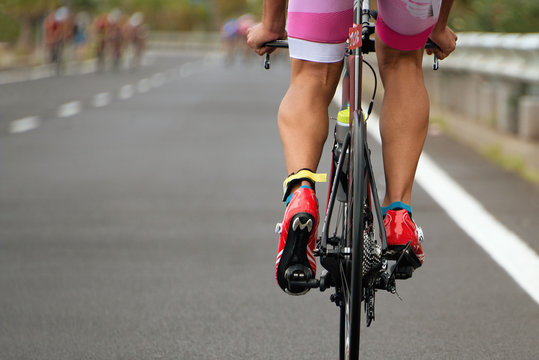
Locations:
141 227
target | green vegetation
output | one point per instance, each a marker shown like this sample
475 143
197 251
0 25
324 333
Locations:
9 29
496 15
512 163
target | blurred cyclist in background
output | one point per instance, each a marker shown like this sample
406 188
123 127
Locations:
80 34
136 33
245 22
99 30
229 39
115 36
58 29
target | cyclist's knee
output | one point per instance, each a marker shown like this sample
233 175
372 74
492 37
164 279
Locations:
316 79
390 58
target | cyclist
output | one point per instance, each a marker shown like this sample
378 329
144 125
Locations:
317 31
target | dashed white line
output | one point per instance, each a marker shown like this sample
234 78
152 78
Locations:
69 109
143 85
126 92
158 80
101 99
24 124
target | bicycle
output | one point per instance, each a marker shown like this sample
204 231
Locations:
353 250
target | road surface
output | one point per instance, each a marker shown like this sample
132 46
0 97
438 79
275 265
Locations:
137 217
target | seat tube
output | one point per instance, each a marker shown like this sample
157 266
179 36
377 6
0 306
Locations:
355 62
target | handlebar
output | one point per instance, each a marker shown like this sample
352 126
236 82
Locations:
277 44
283 44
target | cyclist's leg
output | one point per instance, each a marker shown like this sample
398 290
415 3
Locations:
403 120
303 114
317 32
402 29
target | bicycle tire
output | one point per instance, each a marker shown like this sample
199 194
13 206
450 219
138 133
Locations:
350 315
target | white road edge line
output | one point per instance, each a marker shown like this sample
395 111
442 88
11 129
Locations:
505 247
69 109
516 257
25 124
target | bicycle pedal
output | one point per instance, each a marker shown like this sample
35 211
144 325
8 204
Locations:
404 255
403 272
299 279
409 258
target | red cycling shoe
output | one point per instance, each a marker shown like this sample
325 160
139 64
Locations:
401 230
295 258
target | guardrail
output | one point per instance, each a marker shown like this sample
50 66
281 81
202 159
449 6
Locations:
492 79
515 56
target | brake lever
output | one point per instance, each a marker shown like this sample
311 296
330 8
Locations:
432 45
267 62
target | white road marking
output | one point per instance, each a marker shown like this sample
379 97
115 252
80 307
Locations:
158 80
69 109
101 99
516 257
126 92
143 85
24 124
505 247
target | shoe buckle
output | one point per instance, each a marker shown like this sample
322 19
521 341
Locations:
278 228
420 236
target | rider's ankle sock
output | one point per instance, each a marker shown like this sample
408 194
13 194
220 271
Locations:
290 196
397 205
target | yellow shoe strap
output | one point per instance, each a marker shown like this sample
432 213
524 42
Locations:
300 176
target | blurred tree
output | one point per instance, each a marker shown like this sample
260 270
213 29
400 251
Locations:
231 8
27 13
496 15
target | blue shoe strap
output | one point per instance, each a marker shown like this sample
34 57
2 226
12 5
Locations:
396 205
301 187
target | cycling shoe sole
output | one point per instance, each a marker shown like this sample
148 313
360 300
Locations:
295 252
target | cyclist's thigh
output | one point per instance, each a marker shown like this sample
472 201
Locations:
406 25
318 29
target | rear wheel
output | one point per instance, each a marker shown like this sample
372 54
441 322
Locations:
352 263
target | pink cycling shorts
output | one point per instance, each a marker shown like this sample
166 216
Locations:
318 29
